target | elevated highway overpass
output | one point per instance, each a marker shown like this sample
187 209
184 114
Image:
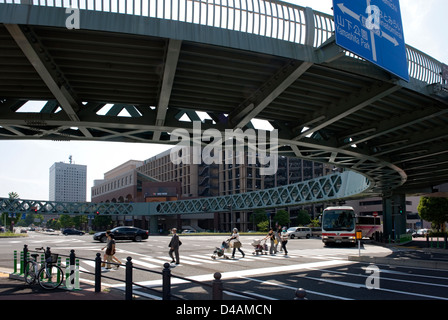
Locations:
235 61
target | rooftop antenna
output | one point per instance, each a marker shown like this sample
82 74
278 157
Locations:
70 159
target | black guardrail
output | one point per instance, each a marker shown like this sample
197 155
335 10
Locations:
216 286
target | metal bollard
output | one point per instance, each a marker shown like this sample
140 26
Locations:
217 287
59 275
77 284
25 256
42 262
128 294
300 294
22 263
72 268
68 283
15 262
166 282
98 272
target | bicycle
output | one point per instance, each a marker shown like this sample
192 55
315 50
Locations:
44 275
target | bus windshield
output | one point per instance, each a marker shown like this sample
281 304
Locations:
338 220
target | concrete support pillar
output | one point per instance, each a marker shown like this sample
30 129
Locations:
153 225
394 216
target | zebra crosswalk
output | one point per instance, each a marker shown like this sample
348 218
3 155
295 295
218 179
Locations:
156 262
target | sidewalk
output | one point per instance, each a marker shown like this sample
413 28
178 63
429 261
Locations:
413 254
410 255
14 289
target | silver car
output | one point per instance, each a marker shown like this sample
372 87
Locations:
299 232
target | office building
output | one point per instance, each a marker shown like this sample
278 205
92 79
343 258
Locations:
208 180
68 182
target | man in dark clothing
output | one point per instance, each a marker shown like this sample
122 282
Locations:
174 246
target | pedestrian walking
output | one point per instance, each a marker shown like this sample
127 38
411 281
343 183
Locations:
273 240
105 255
278 236
113 251
236 243
174 245
284 238
110 251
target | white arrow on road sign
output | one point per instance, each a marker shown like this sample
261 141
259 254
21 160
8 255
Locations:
346 10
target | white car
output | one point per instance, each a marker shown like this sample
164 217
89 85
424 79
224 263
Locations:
420 233
299 232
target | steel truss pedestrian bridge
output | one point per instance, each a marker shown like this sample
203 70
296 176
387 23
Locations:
327 188
135 70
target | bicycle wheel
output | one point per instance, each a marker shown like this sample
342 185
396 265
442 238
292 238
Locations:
30 273
50 277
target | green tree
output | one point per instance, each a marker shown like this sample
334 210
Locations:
282 217
13 195
435 210
80 221
303 217
30 219
54 224
315 223
258 216
263 225
102 222
65 221
5 215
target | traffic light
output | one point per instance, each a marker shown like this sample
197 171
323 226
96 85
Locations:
400 210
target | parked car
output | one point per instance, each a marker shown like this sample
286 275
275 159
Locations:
420 233
123 233
299 232
67 232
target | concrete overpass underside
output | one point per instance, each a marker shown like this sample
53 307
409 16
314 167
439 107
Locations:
327 104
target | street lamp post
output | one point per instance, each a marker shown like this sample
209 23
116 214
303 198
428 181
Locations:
231 216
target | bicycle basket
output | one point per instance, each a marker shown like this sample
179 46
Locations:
53 258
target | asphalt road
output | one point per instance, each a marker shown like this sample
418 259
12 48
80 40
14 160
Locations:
325 273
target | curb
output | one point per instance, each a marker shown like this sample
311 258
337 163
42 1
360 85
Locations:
440 265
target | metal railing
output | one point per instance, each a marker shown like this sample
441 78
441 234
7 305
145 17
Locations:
216 286
269 18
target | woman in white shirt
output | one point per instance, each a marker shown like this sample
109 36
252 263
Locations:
236 243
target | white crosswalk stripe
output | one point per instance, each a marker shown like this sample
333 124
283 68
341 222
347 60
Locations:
157 262
204 260
182 260
144 264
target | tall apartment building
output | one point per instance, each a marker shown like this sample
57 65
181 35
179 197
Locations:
68 182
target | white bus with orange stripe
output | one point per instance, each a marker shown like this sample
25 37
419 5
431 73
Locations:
339 225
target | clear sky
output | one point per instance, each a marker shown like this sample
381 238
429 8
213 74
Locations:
25 165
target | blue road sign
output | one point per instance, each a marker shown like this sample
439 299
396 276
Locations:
372 29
